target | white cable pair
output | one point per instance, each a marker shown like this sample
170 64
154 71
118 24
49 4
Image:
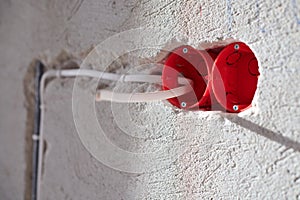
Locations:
107 95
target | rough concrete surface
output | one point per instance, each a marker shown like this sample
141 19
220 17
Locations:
253 156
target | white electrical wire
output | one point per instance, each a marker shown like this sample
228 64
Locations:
111 76
106 95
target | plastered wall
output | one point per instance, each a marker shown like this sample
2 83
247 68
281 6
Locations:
251 156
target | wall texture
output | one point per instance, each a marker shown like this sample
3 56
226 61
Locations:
253 156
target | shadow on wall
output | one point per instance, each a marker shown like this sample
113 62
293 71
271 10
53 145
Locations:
267 133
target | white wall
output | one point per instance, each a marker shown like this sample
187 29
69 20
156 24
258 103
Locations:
254 156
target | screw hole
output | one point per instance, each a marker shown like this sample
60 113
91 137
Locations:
235 107
185 50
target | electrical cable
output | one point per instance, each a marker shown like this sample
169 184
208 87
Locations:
105 95
36 130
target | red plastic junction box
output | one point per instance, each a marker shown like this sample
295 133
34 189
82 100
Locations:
223 78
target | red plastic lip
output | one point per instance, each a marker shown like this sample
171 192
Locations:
234 77
195 65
